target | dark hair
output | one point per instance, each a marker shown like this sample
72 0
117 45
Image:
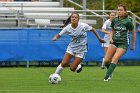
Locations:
69 18
75 13
124 7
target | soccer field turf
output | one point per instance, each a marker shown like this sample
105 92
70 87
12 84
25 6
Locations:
126 79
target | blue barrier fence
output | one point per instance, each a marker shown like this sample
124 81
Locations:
36 45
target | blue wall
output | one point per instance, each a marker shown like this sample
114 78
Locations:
36 45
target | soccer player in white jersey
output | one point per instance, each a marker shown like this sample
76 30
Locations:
106 30
78 45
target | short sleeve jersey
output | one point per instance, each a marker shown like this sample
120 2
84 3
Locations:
79 36
121 29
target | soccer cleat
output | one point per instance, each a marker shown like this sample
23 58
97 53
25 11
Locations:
102 67
107 78
80 69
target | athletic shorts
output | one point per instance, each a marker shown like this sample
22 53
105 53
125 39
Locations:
106 44
80 55
121 45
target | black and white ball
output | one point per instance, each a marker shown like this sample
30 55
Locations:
54 78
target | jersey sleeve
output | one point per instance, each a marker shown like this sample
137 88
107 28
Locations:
63 31
130 26
104 25
87 27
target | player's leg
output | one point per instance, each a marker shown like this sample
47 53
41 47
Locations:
119 53
108 57
82 56
64 62
103 64
109 54
105 46
75 65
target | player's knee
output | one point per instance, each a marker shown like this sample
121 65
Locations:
115 59
72 68
106 60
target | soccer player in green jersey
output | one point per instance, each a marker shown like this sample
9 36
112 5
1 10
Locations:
119 39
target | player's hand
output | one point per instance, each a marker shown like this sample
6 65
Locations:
55 38
132 48
111 41
102 41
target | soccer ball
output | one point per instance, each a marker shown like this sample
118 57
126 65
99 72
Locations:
54 78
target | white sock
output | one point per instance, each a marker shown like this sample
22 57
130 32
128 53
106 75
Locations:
59 69
78 67
102 65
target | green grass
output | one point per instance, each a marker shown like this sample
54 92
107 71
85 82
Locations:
126 79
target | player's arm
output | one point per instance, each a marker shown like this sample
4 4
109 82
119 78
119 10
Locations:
111 35
112 31
131 29
59 35
104 28
97 35
104 31
133 39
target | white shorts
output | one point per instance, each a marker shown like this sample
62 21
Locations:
106 44
80 55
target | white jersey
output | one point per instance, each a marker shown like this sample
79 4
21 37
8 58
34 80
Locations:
107 27
78 42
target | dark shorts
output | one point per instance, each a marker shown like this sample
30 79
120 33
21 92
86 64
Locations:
121 45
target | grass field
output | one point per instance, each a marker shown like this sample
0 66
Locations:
126 79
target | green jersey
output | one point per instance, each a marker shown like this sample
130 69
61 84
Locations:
121 29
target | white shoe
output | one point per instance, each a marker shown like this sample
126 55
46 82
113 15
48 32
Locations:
102 67
80 69
107 78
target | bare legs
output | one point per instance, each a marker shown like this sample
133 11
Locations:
75 65
103 64
113 55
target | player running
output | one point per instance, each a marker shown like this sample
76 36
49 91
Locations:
119 39
77 48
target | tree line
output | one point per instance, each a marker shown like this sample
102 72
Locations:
132 5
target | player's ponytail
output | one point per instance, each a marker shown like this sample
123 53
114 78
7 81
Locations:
66 22
69 19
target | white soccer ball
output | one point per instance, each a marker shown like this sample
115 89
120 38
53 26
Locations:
54 78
